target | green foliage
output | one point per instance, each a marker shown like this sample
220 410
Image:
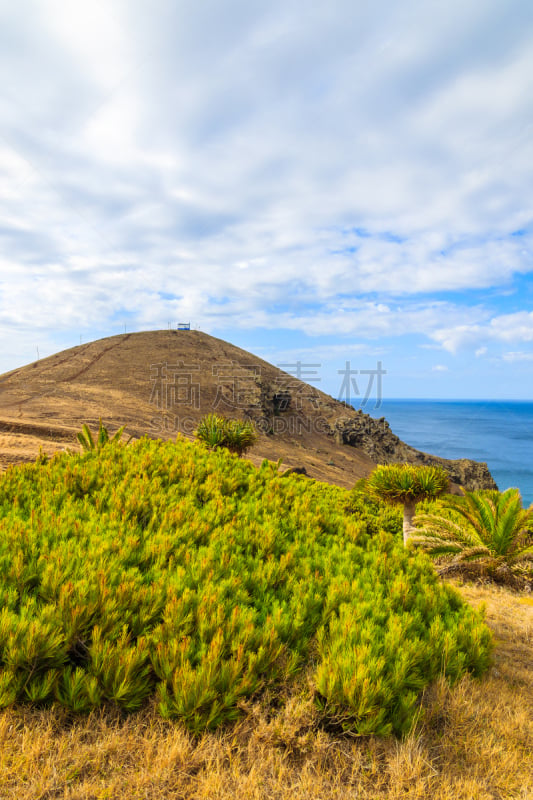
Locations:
377 515
406 484
211 431
78 690
398 483
85 437
236 435
489 527
240 435
170 572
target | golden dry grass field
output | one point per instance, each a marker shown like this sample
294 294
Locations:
474 742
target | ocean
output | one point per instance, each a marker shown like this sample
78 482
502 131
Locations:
499 432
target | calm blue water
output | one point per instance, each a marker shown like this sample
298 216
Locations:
498 432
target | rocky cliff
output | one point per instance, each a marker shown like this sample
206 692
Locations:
376 439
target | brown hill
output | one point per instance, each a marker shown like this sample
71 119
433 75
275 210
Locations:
161 383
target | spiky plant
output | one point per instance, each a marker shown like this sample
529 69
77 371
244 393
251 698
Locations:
211 431
490 528
407 485
240 435
86 439
236 435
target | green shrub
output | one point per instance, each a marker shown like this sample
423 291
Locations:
167 571
377 515
489 528
236 435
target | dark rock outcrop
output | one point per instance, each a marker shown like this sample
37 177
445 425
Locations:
375 438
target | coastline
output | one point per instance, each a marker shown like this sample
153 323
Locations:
497 432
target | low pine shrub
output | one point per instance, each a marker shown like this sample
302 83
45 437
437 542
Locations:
168 571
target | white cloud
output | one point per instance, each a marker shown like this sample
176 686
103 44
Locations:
517 357
250 166
517 327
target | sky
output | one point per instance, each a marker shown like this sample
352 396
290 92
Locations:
341 183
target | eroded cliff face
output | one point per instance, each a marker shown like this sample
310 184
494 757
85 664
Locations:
376 439
345 425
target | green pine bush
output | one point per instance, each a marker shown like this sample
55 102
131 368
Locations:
170 572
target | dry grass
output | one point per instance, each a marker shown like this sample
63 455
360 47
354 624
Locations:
475 742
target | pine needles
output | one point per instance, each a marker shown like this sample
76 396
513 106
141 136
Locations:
166 572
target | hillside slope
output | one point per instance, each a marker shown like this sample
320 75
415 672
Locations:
160 383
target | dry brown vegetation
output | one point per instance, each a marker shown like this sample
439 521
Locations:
474 742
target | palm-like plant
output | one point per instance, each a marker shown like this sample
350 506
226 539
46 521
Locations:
407 485
490 528
86 439
240 435
236 435
211 431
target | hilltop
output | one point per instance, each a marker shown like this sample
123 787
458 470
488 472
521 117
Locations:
160 383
